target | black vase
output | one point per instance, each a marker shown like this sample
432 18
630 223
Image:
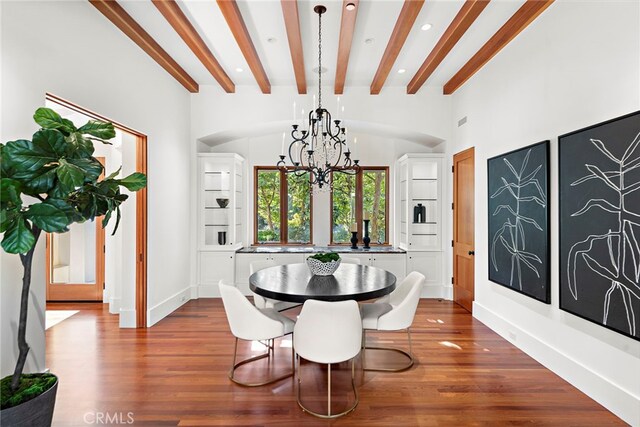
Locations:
366 239
419 213
222 237
354 240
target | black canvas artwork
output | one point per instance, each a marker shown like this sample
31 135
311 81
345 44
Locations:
519 220
599 171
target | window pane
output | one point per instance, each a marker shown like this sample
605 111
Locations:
298 209
344 206
268 206
374 195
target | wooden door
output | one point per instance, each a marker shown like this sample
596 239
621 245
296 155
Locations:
74 261
463 228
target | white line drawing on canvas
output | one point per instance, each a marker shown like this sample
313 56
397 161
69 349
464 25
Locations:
622 268
515 242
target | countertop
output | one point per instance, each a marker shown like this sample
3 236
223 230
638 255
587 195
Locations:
267 249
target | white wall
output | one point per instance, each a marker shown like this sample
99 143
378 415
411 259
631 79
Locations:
578 64
73 51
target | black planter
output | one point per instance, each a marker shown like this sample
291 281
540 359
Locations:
37 412
222 237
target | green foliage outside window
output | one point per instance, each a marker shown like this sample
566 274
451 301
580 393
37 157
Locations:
374 201
344 208
298 209
268 206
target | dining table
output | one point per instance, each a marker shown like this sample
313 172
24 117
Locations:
295 283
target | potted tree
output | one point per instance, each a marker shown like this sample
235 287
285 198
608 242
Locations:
46 184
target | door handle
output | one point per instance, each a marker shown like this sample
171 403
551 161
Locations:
472 252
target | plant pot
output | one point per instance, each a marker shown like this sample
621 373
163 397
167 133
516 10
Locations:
37 412
319 268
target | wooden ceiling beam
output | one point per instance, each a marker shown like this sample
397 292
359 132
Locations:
181 24
232 15
347 27
121 19
406 19
292 24
467 15
518 22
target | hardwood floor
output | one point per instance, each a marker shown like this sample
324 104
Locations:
175 374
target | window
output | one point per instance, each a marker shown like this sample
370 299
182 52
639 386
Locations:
283 206
356 197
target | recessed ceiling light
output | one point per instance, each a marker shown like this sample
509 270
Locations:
351 6
402 71
369 40
426 27
272 39
239 70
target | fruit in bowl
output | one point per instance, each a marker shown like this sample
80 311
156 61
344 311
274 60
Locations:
323 264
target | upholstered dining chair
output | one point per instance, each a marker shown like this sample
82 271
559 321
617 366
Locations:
393 314
262 302
348 260
250 323
328 332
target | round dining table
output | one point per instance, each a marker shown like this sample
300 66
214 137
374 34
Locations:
295 283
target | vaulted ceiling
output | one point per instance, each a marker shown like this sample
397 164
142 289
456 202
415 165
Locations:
374 43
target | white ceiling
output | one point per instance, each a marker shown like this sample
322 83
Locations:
376 20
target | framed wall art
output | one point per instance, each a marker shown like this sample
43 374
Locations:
518 183
599 178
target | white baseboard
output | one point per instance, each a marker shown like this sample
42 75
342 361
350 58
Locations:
127 318
168 306
208 291
114 305
437 291
193 290
617 400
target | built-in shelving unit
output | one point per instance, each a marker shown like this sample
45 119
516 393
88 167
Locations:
221 176
419 181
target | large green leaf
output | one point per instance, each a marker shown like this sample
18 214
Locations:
6 218
90 167
42 181
70 175
5 170
18 239
49 119
49 216
98 129
10 192
134 182
79 147
27 157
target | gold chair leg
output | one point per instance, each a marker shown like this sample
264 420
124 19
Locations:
397 350
328 415
234 366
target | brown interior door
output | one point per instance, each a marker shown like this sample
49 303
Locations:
74 263
463 228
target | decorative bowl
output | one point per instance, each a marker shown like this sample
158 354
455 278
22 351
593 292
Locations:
223 203
319 268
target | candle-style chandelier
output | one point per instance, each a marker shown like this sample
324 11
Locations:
318 150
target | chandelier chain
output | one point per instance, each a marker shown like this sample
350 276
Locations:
320 60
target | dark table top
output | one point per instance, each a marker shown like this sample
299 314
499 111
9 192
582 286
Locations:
294 283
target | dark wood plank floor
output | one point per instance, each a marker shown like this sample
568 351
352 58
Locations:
175 374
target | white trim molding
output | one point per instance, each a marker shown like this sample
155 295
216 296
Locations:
168 306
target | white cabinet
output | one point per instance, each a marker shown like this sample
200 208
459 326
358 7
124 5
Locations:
427 263
243 265
220 179
213 267
394 263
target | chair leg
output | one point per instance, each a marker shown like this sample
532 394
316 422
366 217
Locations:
328 414
234 366
397 350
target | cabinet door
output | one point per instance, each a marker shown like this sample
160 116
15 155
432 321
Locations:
216 266
393 263
365 259
281 259
427 263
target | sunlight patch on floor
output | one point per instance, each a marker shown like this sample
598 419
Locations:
53 317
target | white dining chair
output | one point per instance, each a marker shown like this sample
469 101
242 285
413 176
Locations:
250 323
262 302
393 314
348 260
328 332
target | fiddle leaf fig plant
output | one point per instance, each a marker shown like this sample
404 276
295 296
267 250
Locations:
48 183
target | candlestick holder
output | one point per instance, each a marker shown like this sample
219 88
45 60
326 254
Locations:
354 240
366 238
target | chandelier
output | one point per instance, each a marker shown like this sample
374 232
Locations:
321 148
